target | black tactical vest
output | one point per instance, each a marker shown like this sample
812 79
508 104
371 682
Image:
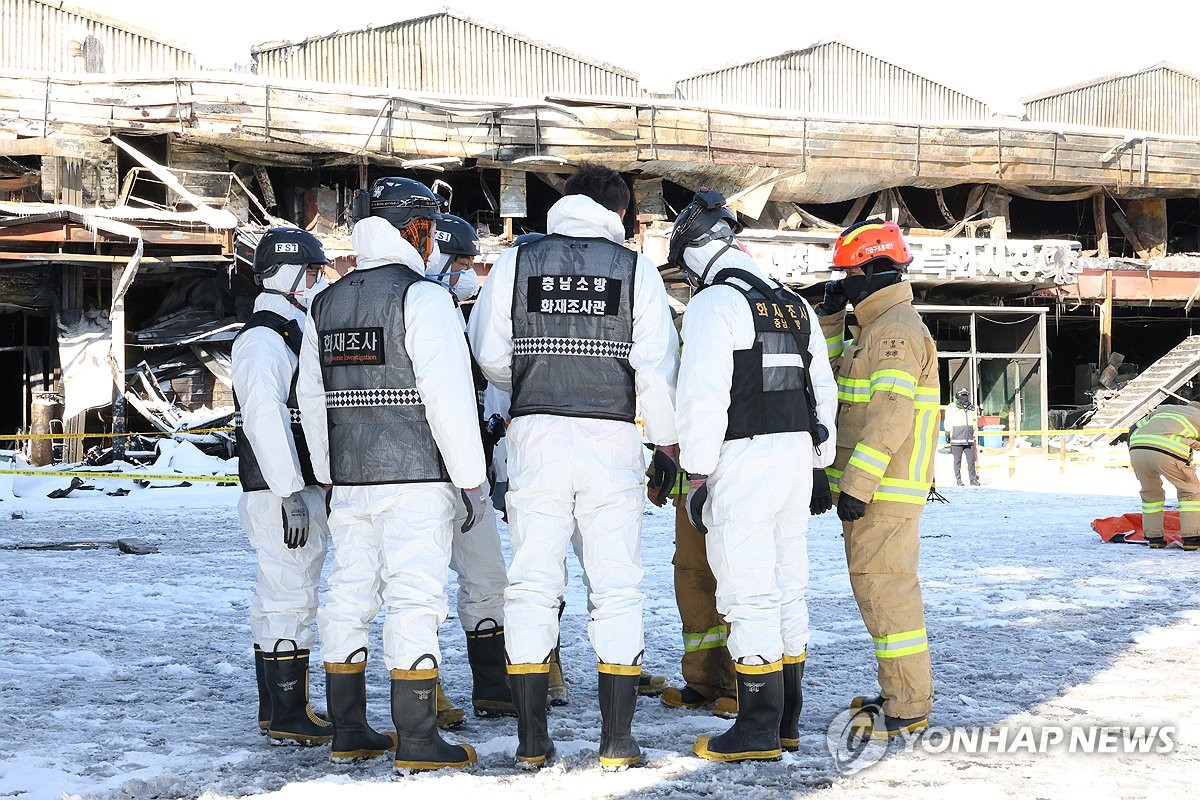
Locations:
572 319
770 391
378 431
249 472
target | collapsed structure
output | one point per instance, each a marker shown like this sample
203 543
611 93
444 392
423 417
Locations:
130 199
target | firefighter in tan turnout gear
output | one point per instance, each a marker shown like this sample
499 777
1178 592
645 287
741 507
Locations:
889 397
1160 446
385 385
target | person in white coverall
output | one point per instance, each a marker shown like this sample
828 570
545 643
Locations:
577 328
282 508
475 553
757 404
384 385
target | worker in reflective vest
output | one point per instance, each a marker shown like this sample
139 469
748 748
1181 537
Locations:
1160 446
888 407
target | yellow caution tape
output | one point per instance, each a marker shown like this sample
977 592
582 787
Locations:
1067 432
32 436
129 476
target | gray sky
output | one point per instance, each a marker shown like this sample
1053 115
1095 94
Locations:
998 52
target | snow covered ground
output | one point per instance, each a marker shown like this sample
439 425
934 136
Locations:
125 676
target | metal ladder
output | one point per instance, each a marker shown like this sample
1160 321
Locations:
1147 390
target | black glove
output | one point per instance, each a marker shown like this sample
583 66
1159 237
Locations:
850 508
663 472
477 503
834 300
295 521
493 430
822 497
695 507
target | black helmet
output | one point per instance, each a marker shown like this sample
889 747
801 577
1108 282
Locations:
401 200
695 222
280 246
456 237
527 238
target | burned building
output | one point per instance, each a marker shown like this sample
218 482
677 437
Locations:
1042 243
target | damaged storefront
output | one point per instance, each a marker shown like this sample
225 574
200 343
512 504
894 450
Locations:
1030 232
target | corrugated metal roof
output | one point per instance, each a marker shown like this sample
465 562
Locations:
53 37
444 53
832 79
1159 99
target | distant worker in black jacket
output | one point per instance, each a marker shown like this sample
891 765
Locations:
961 419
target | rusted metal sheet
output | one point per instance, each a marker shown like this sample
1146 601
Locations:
1160 99
52 37
443 54
830 78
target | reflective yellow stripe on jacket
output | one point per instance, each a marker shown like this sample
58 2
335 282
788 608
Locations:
914 486
926 400
1169 430
835 344
1170 443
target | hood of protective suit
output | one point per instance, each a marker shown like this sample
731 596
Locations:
580 215
377 243
273 302
697 259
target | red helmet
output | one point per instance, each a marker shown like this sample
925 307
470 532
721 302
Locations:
870 240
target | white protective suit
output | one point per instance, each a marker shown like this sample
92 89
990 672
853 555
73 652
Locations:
474 554
760 487
565 471
393 540
285 594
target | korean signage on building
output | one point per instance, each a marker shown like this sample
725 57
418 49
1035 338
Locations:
804 258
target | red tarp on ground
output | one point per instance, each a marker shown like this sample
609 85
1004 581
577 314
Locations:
1128 528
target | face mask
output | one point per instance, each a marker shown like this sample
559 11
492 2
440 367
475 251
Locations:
318 287
860 287
467 285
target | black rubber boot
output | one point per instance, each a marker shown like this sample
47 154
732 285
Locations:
414 713
490 694
618 699
292 719
872 705
528 683
870 721
755 734
793 702
264 694
346 693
